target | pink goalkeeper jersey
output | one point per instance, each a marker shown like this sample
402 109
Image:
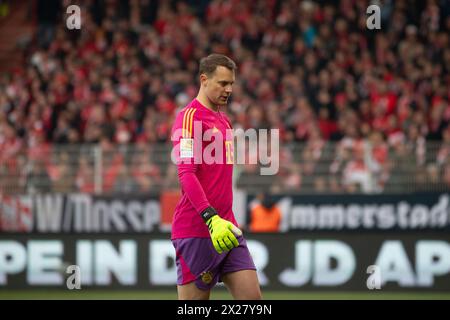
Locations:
204 184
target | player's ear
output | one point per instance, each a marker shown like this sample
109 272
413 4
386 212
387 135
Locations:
203 79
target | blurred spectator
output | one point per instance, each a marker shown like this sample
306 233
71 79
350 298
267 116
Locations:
170 181
63 180
376 156
356 174
292 180
85 177
434 179
443 155
125 182
265 216
416 145
112 167
145 173
38 179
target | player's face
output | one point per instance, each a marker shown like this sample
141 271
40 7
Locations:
219 85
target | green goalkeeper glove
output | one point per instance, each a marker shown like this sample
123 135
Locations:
223 233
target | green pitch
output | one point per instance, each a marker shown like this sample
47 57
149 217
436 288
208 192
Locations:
88 294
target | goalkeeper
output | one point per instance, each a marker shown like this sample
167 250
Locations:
209 247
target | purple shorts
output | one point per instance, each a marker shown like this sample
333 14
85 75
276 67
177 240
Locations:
198 261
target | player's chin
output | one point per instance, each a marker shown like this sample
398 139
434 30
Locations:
222 101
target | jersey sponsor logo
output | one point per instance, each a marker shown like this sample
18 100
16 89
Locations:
186 148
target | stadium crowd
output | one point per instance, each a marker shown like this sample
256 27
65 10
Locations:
369 107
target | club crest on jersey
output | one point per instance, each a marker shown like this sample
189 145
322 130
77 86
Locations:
186 148
206 277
